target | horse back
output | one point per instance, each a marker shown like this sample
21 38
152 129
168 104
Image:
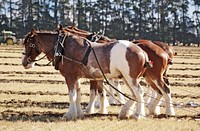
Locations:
157 55
170 51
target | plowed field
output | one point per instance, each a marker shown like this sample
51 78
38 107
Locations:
36 99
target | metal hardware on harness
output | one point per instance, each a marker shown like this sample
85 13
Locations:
59 49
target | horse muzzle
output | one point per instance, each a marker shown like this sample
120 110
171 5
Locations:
27 63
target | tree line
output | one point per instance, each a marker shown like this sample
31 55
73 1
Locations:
163 20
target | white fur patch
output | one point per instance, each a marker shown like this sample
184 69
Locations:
90 108
72 113
118 60
95 70
30 65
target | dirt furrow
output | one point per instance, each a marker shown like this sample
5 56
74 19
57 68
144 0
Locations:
29 72
185 63
52 116
183 69
63 82
51 73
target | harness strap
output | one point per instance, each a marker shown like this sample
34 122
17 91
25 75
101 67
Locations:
59 49
86 55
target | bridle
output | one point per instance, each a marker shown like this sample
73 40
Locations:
32 46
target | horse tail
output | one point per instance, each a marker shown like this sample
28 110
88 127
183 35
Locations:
148 63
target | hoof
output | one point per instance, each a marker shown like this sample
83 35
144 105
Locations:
87 111
112 102
122 115
68 116
155 112
103 112
137 117
172 113
81 116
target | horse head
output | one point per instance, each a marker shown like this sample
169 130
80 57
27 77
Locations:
30 50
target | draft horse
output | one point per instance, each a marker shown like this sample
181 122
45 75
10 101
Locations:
129 65
154 76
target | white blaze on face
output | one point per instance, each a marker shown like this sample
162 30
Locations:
29 65
23 55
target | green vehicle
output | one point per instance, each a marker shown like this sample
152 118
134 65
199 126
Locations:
7 37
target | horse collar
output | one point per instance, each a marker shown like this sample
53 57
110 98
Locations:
86 54
58 49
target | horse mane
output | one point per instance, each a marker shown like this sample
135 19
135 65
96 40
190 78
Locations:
33 33
27 36
77 29
87 34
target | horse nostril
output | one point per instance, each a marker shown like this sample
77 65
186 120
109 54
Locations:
24 64
29 60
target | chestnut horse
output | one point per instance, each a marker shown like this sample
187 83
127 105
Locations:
154 76
170 51
129 65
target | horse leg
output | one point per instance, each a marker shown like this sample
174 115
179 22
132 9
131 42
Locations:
137 91
103 93
154 104
97 102
128 108
120 96
72 112
112 94
164 88
78 101
140 108
103 99
147 97
93 89
165 91
166 80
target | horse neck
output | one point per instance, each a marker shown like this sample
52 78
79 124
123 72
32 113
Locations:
47 43
82 34
75 47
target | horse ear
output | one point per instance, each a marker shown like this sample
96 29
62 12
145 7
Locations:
73 27
33 32
60 27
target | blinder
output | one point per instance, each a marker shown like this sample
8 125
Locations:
32 46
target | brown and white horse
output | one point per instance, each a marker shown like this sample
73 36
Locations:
114 82
118 59
154 76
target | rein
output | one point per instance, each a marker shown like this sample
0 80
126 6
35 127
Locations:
107 79
84 63
33 46
85 58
